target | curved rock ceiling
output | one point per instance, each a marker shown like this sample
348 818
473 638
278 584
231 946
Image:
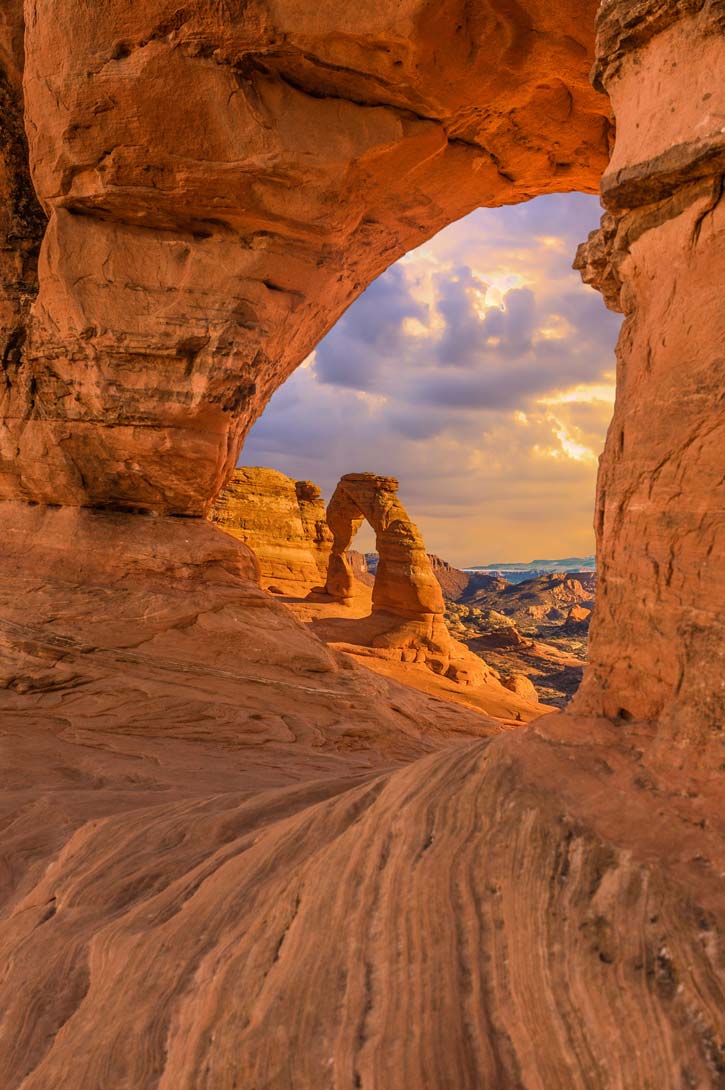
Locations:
201 243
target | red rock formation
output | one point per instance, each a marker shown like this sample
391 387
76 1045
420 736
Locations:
199 244
578 613
359 568
216 869
658 633
283 523
22 222
453 581
520 684
404 582
313 516
534 599
407 600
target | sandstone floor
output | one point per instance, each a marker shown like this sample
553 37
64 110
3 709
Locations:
233 858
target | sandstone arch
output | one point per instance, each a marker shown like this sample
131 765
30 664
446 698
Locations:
196 248
192 260
404 581
178 286
407 600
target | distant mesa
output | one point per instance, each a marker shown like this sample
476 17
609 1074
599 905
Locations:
517 572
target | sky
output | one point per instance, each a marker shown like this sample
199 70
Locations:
479 371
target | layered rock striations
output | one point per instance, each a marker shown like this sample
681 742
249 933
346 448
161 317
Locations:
658 633
282 521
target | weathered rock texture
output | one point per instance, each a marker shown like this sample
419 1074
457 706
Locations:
658 633
218 869
282 521
229 858
22 222
221 185
453 581
407 600
548 596
404 581
359 568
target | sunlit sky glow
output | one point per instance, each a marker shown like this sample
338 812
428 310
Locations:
479 370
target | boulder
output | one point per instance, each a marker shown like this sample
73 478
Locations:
521 685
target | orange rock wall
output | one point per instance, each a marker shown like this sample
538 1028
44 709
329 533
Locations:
658 635
200 243
198 246
22 224
229 858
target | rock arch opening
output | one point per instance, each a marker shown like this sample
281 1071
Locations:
477 370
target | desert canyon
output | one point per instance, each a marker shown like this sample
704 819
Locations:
235 855
400 610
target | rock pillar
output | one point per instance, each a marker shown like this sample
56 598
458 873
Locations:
658 636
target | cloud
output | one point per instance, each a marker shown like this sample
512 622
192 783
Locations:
478 370
370 334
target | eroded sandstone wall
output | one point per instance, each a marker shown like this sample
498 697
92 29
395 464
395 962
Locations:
198 246
282 521
658 635
221 183
22 224
198 797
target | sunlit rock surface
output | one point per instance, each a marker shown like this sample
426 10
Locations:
282 521
229 860
407 601
658 633
220 186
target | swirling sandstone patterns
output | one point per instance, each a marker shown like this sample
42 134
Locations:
448 924
234 860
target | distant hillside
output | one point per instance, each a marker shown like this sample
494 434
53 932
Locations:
516 571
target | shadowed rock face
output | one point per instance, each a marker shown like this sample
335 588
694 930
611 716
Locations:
22 222
229 859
